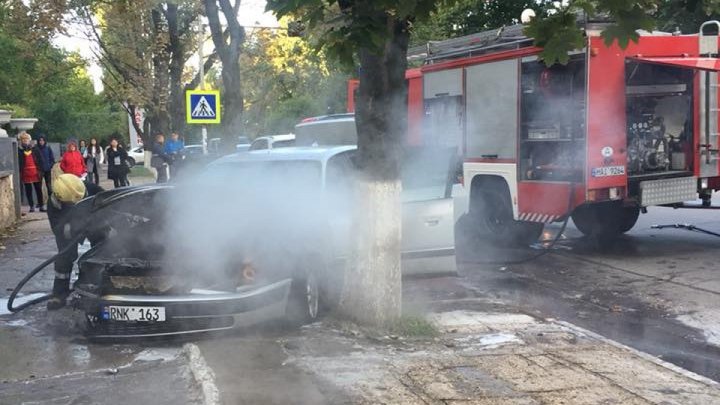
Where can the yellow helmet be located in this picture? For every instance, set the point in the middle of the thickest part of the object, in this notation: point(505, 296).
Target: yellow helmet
point(68, 188)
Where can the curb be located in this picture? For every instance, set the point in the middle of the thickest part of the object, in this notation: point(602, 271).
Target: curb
point(645, 356)
point(202, 374)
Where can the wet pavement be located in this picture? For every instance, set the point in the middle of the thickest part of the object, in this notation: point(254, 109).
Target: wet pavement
point(656, 291)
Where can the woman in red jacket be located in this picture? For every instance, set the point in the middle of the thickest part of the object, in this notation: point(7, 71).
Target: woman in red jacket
point(72, 161)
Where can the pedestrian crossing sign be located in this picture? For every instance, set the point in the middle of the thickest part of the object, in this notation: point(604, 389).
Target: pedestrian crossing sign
point(202, 106)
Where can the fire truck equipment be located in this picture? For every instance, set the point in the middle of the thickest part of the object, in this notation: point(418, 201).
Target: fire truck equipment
point(613, 130)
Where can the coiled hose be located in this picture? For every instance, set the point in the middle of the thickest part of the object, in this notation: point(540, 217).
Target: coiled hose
point(73, 244)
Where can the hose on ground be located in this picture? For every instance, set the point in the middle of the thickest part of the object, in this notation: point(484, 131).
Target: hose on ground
point(688, 227)
point(73, 244)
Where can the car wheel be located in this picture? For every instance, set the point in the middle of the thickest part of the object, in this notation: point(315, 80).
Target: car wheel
point(131, 162)
point(303, 304)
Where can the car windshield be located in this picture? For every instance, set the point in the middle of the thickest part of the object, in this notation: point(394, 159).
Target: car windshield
point(287, 174)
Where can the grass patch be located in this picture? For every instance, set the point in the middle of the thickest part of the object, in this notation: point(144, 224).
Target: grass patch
point(413, 326)
point(408, 326)
point(140, 171)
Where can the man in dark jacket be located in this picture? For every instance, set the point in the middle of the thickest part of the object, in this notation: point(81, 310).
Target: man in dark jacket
point(69, 219)
point(47, 160)
point(160, 159)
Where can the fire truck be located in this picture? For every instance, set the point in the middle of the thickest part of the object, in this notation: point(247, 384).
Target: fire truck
point(600, 139)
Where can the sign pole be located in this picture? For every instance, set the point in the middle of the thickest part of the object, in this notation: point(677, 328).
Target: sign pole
point(201, 58)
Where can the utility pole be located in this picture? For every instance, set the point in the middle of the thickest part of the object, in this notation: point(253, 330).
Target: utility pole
point(201, 61)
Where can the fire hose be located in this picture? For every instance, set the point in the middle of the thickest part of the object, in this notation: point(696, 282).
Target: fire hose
point(73, 244)
point(688, 227)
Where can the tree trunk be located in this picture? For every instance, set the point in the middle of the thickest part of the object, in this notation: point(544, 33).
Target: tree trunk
point(177, 63)
point(372, 291)
point(229, 54)
point(160, 60)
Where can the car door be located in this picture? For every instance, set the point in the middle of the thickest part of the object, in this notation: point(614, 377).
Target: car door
point(428, 245)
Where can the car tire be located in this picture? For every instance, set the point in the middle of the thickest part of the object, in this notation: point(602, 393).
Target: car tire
point(303, 305)
point(131, 162)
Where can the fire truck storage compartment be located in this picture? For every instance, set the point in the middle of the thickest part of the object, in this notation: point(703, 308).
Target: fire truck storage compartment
point(492, 106)
point(659, 116)
point(552, 120)
point(443, 121)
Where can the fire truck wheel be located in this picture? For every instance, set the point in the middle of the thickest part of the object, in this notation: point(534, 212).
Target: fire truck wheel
point(605, 221)
point(629, 218)
point(491, 213)
point(528, 233)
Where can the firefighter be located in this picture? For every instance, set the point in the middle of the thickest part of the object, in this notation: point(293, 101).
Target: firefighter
point(68, 221)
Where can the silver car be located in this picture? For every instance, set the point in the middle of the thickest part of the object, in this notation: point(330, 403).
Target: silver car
point(427, 199)
point(181, 259)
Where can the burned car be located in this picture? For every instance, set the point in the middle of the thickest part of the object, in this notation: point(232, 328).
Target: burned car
point(258, 235)
point(129, 285)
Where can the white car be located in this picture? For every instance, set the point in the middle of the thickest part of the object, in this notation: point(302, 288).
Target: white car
point(136, 156)
point(334, 129)
point(272, 142)
point(428, 219)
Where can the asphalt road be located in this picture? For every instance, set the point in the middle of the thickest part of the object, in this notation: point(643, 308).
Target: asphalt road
point(655, 290)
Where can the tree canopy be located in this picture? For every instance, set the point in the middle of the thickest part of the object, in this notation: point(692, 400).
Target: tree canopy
point(38, 79)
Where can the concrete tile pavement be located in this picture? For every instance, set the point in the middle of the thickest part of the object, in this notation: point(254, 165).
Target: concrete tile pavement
point(494, 358)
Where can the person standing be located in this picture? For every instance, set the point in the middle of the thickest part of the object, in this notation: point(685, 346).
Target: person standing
point(93, 157)
point(48, 160)
point(30, 171)
point(160, 159)
point(173, 149)
point(82, 147)
point(68, 221)
point(117, 164)
point(72, 161)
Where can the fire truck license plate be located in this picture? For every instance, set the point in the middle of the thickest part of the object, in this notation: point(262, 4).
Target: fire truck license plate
point(142, 314)
point(608, 171)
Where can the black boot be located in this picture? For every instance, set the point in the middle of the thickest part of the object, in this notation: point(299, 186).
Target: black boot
point(61, 290)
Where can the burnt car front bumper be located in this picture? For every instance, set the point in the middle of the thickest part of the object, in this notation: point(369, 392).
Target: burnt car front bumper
point(199, 311)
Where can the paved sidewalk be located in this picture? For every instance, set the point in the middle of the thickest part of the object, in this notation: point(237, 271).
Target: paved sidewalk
point(494, 358)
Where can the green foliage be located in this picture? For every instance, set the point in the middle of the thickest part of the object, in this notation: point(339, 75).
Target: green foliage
point(556, 29)
point(465, 17)
point(342, 27)
point(686, 15)
point(140, 171)
point(285, 81)
point(413, 326)
point(39, 80)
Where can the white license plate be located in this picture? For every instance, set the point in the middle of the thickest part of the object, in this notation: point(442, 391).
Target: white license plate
point(608, 171)
point(141, 314)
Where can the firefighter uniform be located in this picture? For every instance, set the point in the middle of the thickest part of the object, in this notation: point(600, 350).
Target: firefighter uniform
point(68, 221)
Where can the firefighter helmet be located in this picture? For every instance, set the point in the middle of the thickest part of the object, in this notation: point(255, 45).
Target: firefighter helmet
point(68, 188)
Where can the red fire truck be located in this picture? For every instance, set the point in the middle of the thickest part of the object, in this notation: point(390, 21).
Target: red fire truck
point(601, 138)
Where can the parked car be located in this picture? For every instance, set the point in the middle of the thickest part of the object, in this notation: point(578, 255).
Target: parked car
point(273, 141)
point(333, 129)
point(243, 144)
point(283, 251)
point(136, 156)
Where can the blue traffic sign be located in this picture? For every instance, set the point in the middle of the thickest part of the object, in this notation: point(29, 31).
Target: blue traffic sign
point(202, 106)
